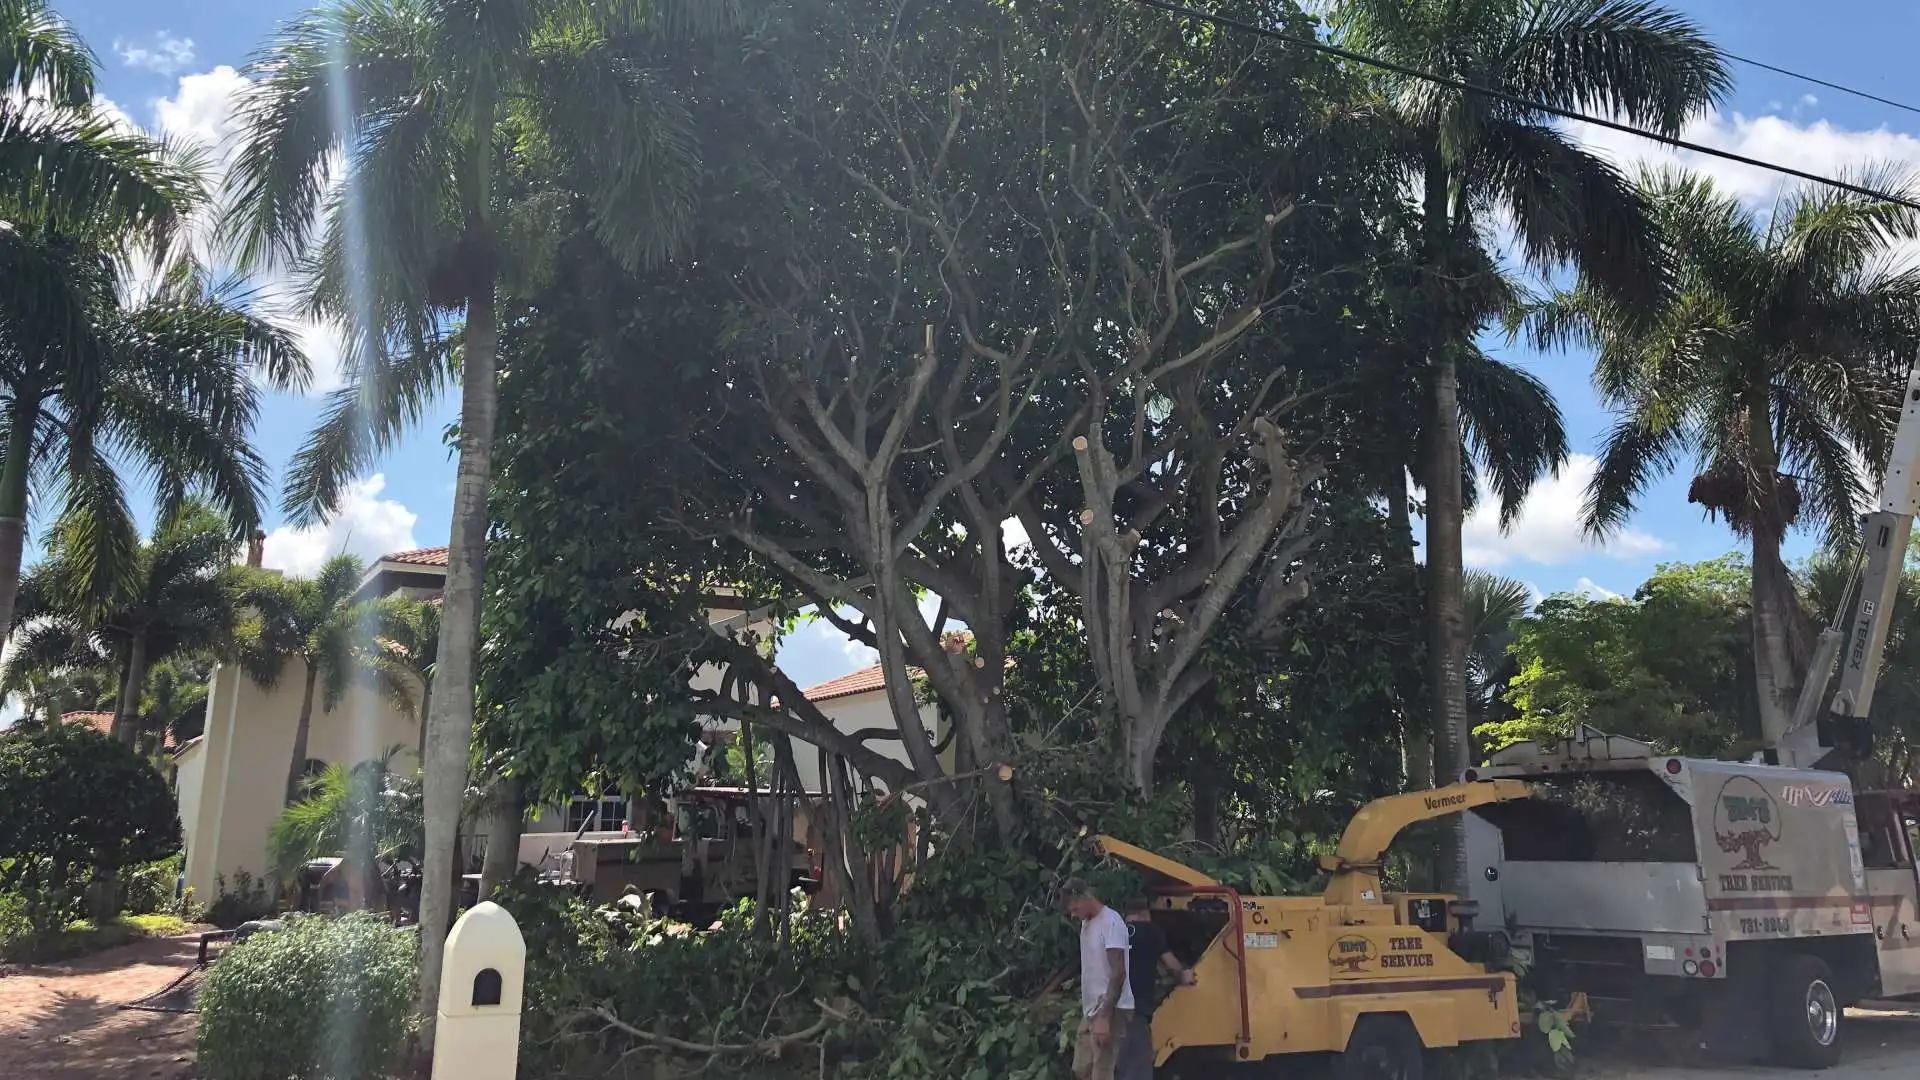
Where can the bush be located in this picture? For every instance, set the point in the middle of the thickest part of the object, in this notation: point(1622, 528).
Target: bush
point(323, 999)
point(73, 802)
point(152, 888)
point(246, 900)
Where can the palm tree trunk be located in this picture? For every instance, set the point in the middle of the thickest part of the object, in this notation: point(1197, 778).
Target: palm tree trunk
point(1775, 606)
point(133, 684)
point(1446, 596)
point(13, 502)
point(1416, 741)
point(450, 722)
point(297, 768)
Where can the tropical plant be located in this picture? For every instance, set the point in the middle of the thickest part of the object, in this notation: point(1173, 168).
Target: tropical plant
point(175, 598)
point(93, 382)
point(428, 221)
point(314, 622)
point(403, 655)
point(175, 703)
point(365, 810)
point(1477, 159)
point(1495, 607)
point(1777, 364)
point(63, 163)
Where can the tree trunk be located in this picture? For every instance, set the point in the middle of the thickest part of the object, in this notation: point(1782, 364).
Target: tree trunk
point(13, 502)
point(1775, 606)
point(506, 817)
point(297, 768)
point(450, 721)
point(126, 711)
point(1446, 590)
point(1416, 740)
point(426, 702)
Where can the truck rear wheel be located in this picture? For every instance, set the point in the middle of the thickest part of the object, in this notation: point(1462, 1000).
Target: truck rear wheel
point(1805, 1011)
point(1382, 1048)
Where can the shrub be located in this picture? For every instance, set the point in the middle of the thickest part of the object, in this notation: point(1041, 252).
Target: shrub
point(74, 802)
point(152, 888)
point(323, 999)
point(246, 900)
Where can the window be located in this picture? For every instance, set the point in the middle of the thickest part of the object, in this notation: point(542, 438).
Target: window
point(603, 814)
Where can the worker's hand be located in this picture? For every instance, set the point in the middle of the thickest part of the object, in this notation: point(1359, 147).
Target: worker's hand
point(1186, 977)
point(1100, 1029)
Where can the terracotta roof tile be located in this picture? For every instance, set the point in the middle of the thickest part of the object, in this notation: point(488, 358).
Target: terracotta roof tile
point(102, 722)
point(433, 556)
point(864, 681)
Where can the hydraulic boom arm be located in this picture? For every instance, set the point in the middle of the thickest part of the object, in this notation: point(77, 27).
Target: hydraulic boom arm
point(1882, 558)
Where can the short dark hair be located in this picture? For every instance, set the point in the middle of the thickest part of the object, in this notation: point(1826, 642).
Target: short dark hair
point(1074, 887)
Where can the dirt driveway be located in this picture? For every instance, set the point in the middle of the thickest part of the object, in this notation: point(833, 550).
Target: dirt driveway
point(1883, 1042)
point(63, 1021)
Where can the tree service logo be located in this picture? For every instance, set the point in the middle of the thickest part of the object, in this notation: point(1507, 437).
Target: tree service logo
point(1350, 955)
point(1746, 820)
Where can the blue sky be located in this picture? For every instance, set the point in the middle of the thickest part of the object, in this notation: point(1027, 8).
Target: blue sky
point(170, 66)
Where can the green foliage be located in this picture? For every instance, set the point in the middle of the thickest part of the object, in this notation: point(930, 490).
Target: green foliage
point(364, 812)
point(57, 823)
point(240, 901)
point(1667, 665)
point(150, 889)
point(21, 942)
point(322, 999)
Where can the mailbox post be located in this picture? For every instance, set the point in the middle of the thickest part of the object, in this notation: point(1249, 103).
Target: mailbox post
point(477, 1032)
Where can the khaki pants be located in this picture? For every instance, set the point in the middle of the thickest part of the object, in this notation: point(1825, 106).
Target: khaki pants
point(1093, 1060)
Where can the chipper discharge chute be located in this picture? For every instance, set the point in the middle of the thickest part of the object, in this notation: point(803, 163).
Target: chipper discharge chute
point(1371, 976)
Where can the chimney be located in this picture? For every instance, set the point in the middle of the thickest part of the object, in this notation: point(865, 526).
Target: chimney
point(257, 547)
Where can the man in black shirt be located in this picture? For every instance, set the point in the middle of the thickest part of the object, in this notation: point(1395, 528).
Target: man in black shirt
point(1147, 949)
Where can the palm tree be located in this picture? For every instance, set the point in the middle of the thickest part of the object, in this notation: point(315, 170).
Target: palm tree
point(315, 621)
point(62, 164)
point(92, 382)
point(174, 599)
point(1476, 159)
point(1495, 606)
point(1778, 364)
point(404, 654)
point(419, 101)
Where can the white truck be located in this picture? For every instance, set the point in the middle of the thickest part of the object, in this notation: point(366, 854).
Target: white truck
point(1753, 901)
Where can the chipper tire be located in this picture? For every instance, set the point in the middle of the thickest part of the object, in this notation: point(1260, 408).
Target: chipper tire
point(1382, 1048)
point(1806, 1013)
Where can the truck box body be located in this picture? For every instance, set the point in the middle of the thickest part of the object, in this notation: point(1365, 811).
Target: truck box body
point(1684, 856)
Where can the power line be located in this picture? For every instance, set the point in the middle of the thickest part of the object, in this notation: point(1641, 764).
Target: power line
point(1822, 82)
point(1538, 106)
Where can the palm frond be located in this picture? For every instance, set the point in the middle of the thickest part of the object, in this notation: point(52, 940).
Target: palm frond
point(1513, 426)
point(41, 53)
point(83, 174)
point(1634, 58)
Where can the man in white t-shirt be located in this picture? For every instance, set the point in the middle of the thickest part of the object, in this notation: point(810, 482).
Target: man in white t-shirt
point(1106, 998)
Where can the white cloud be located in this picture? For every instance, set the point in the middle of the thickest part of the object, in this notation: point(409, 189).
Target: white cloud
point(1819, 147)
point(366, 525)
point(1588, 588)
point(1549, 530)
point(165, 55)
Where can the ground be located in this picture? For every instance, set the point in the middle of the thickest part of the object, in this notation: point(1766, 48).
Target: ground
point(1883, 1042)
point(64, 1022)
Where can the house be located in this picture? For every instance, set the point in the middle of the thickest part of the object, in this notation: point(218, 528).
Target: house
point(231, 781)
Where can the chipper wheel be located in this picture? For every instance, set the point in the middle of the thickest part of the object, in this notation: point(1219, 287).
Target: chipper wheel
point(1382, 1048)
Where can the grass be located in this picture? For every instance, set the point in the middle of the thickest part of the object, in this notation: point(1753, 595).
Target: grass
point(83, 938)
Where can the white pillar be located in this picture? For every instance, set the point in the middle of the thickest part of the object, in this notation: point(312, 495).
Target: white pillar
point(477, 1033)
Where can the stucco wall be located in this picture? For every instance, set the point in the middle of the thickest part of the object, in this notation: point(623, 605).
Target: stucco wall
point(852, 713)
point(240, 785)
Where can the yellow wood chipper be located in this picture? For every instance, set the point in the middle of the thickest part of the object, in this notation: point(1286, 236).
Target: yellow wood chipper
point(1373, 977)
